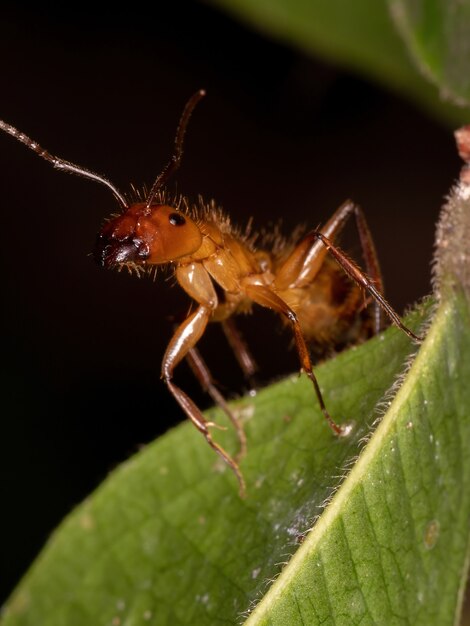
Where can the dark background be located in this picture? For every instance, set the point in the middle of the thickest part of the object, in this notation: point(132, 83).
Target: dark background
point(279, 136)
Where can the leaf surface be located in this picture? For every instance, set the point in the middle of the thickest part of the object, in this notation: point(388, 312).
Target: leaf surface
point(392, 546)
point(167, 540)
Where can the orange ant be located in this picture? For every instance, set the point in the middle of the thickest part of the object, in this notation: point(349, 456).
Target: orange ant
point(225, 273)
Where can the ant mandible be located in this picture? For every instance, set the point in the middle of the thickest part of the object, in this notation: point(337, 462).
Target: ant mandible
point(319, 296)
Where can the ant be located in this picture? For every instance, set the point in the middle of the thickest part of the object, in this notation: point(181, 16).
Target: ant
point(225, 272)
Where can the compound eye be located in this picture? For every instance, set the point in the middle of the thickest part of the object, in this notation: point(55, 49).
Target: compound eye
point(176, 219)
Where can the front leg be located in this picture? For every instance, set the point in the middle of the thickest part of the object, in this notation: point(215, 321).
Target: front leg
point(204, 376)
point(197, 283)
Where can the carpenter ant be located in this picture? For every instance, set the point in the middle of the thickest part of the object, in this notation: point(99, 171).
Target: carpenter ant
point(319, 296)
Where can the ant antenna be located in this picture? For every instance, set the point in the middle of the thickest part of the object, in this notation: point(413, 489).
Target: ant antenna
point(175, 161)
point(61, 164)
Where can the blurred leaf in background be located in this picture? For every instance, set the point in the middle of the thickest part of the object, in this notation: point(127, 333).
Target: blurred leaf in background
point(361, 36)
point(437, 34)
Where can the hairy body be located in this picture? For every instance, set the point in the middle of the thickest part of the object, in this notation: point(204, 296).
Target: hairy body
point(225, 272)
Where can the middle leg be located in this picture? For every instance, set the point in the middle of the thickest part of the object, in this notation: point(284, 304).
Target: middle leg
point(267, 298)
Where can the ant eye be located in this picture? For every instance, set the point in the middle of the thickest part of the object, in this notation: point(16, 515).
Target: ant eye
point(176, 219)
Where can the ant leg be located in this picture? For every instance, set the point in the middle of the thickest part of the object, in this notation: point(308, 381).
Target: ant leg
point(353, 271)
point(202, 373)
point(244, 357)
point(304, 263)
point(184, 339)
point(266, 297)
point(197, 283)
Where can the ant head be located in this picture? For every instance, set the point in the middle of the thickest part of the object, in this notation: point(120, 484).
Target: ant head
point(147, 232)
point(151, 233)
point(145, 235)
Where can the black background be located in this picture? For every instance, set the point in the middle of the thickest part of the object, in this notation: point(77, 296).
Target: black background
point(279, 135)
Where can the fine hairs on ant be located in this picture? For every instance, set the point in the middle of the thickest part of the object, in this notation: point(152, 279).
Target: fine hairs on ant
point(312, 284)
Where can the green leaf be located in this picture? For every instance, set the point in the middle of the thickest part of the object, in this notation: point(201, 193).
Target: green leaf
point(391, 548)
point(167, 540)
point(438, 35)
point(357, 35)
